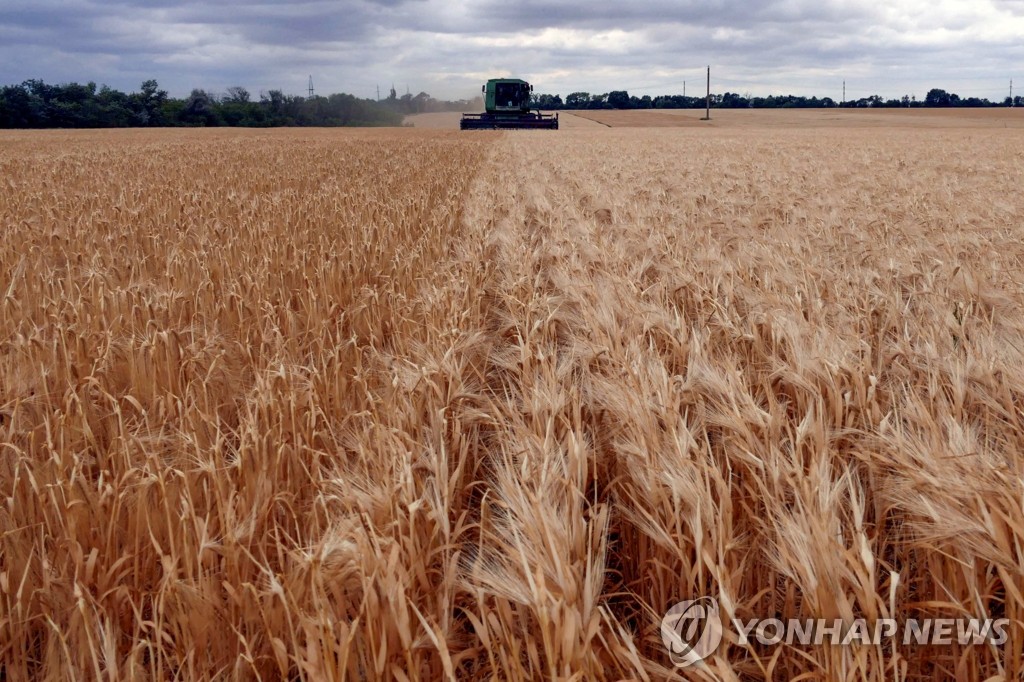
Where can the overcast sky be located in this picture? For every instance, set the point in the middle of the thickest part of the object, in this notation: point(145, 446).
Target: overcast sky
point(448, 48)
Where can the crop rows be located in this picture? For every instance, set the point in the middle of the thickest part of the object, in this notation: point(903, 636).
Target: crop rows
point(421, 405)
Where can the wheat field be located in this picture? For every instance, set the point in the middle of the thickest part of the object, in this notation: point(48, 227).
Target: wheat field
point(420, 404)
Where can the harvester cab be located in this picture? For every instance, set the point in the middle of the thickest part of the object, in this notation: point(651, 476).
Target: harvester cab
point(508, 95)
point(507, 107)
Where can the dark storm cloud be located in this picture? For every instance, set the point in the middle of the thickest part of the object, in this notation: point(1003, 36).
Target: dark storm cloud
point(446, 48)
point(35, 21)
point(70, 25)
point(289, 24)
point(533, 14)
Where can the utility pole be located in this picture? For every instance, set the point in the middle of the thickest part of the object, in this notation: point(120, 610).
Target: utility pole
point(684, 90)
point(707, 116)
point(844, 93)
point(311, 86)
point(378, 92)
point(1011, 92)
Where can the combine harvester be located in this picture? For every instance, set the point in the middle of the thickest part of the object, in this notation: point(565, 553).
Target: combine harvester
point(507, 104)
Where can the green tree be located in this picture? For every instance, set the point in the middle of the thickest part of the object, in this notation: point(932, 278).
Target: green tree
point(151, 100)
point(546, 101)
point(577, 100)
point(618, 99)
point(732, 100)
point(199, 110)
point(237, 94)
point(937, 97)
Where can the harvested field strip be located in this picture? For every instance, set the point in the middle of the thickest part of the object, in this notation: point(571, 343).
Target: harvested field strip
point(762, 120)
point(643, 118)
point(586, 118)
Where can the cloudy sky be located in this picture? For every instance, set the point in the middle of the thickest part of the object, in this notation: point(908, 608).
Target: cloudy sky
point(447, 48)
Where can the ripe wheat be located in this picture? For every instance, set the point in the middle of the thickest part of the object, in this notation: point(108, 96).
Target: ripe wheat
point(423, 405)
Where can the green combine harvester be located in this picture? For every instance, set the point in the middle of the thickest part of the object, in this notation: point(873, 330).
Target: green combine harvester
point(507, 101)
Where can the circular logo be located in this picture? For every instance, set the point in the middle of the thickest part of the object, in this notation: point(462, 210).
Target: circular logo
point(691, 631)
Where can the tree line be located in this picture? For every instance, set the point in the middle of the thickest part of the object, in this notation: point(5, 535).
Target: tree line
point(35, 104)
point(621, 99)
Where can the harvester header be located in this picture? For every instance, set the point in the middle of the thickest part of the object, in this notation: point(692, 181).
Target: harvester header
point(507, 105)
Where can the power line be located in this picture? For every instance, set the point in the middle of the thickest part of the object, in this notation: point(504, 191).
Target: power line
point(690, 77)
point(983, 87)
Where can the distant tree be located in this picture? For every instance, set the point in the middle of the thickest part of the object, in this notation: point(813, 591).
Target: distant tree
point(546, 102)
point(35, 104)
point(199, 110)
point(112, 108)
point(151, 100)
point(937, 97)
point(17, 108)
point(237, 94)
point(732, 100)
point(275, 101)
point(150, 90)
point(618, 99)
point(577, 100)
point(70, 105)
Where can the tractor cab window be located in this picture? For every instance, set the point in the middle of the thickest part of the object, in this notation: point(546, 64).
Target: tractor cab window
point(509, 94)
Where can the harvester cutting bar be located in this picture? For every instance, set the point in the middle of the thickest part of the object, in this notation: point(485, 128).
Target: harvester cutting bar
point(536, 121)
